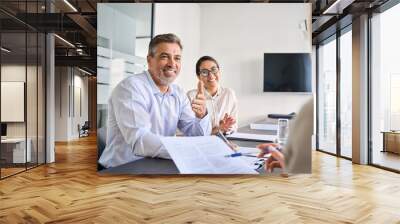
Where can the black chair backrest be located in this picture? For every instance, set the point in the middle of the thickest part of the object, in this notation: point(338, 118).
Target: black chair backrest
point(86, 125)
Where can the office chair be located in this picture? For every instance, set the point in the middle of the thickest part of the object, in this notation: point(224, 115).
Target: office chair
point(84, 130)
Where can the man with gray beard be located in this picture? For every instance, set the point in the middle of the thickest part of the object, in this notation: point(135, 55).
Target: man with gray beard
point(144, 107)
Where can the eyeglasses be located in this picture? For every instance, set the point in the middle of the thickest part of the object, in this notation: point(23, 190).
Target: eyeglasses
point(206, 72)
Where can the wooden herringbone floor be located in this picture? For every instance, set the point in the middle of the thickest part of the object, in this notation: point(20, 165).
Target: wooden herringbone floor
point(70, 191)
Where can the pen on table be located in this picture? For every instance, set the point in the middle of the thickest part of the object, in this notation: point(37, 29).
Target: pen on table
point(236, 154)
point(239, 154)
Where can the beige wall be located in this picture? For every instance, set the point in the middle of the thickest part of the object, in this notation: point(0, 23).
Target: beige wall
point(71, 87)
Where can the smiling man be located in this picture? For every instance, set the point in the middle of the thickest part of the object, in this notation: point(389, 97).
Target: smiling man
point(146, 106)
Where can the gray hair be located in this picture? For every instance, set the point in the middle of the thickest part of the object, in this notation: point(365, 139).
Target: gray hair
point(163, 38)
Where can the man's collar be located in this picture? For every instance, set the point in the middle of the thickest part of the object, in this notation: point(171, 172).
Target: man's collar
point(154, 87)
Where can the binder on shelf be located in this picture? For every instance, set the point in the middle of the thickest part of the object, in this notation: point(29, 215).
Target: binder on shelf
point(282, 116)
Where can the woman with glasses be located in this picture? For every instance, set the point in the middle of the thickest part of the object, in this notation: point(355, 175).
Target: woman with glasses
point(221, 102)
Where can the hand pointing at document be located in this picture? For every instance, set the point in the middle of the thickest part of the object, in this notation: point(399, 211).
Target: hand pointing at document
point(199, 103)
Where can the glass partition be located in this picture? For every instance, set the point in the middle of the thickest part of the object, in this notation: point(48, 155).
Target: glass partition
point(14, 154)
point(31, 98)
point(22, 88)
point(41, 96)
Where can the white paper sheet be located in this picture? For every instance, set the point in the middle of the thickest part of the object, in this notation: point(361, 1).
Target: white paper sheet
point(255, 137)
point(266, 127)
point(204, 155)
point(252, 150)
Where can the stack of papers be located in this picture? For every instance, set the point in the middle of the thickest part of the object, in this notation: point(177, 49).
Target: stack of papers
point(264, 127)
point(254, 137)
point(205, 155)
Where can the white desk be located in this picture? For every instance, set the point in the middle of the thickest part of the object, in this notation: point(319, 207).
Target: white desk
point(17, 145)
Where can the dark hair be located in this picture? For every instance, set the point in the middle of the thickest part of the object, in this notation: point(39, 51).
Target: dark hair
point(203, 59)
point(163, 38)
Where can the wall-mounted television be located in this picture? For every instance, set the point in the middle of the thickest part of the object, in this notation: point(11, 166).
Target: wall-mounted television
point(287, 72)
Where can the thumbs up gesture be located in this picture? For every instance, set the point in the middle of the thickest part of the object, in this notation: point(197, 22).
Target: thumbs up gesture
point(199, 103)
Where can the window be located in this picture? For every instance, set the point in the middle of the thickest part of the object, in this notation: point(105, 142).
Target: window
point(327, 96)
point(346, 93)
point(385, 88)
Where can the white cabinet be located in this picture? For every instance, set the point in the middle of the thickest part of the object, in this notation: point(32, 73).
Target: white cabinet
point(16, 149)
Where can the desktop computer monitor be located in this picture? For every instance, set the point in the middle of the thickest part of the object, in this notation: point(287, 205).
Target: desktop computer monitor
point(3, 129)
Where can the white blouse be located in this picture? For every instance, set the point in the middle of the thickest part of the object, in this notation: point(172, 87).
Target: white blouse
point(224, 101)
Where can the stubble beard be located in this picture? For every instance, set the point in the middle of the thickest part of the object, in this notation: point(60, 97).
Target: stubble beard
point(167, 80)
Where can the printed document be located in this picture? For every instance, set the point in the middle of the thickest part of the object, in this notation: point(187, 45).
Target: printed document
point(205, 155)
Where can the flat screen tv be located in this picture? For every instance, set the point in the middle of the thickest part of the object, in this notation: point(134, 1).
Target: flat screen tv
point(287, 72)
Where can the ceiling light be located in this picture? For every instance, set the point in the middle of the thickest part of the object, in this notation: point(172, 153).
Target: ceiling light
point(86, 72)
point(65, 41)
point(5, 50)
point(329, 9)
point(79, 51)
point(338, 6)
point(70, 5)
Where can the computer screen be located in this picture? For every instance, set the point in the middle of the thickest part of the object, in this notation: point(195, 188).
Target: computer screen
point(287, 72)
point(3, 129)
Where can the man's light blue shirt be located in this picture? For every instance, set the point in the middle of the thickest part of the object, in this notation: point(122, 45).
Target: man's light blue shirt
point(139, 114)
